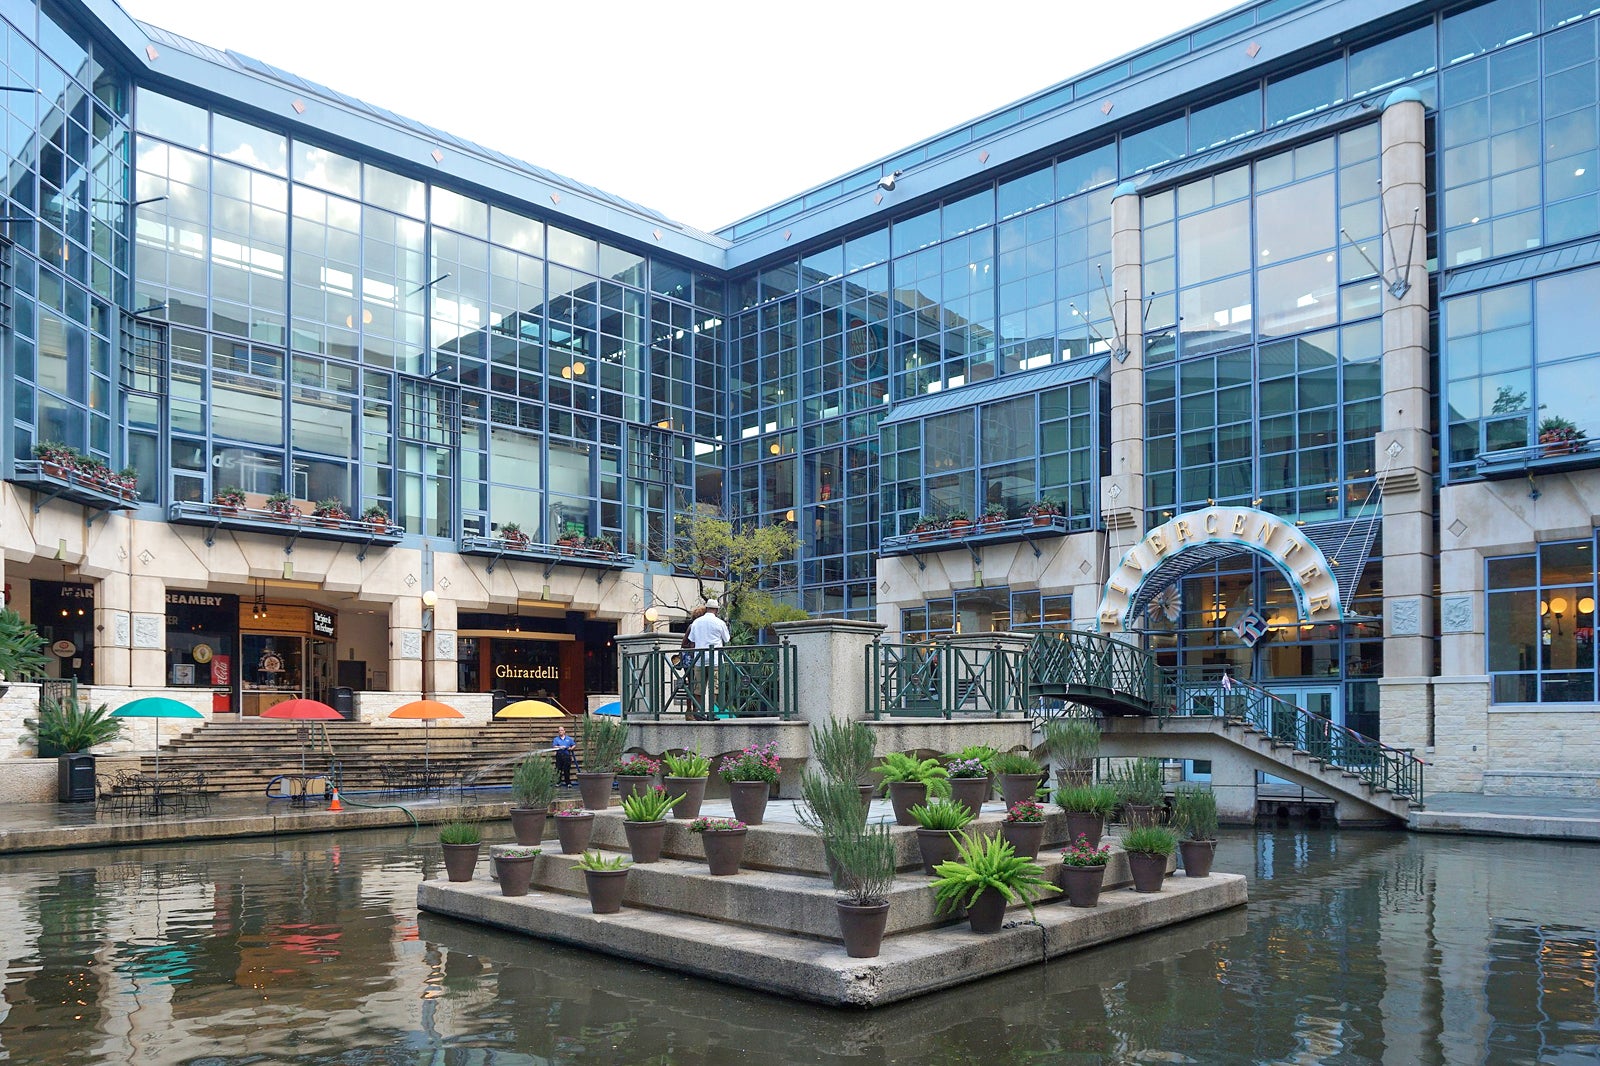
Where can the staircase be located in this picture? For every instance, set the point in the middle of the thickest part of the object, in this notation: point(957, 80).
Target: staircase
point(242, 757)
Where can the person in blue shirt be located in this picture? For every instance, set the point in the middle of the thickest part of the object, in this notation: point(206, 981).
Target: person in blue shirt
point(564, 745)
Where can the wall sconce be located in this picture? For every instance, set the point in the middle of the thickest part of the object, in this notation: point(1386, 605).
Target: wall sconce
point(430, 599)
point(651, 616)
point(1586, 606)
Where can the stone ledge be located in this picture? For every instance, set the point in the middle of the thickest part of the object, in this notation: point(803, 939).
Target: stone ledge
point(819, 971)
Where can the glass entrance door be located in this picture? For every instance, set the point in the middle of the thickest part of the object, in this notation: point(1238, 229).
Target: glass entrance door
point(1306, 734)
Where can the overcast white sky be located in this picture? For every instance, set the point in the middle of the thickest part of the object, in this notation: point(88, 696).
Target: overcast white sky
point(704, 110)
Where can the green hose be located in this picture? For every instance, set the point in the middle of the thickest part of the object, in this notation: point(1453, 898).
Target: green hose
point(345, 798)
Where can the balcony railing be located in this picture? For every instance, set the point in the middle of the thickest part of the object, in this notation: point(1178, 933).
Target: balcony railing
point(941, 680)
point(1539, 459)
point(734, 681)
point(292, 524)
point(551, 555)
point(975, 535)
point(1099, 671)
point(55, 481)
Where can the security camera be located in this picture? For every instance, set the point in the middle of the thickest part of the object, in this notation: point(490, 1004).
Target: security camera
point(886, 183)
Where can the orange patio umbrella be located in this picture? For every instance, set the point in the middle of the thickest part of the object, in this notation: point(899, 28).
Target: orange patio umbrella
point(426, 711)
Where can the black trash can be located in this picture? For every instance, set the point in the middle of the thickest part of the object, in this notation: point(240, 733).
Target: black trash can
point(499, 700)
point(75, 778)
point(344, 701)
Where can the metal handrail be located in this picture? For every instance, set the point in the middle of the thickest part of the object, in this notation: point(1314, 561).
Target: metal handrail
point(1065, 663)
point(1396, 770)
point(941, 678)
point(733, 681)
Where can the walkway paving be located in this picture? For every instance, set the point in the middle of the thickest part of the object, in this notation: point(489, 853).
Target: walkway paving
point(28, 827)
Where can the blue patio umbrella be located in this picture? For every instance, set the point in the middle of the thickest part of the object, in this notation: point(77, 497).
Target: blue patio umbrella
point(614, 707)
point(157, 707)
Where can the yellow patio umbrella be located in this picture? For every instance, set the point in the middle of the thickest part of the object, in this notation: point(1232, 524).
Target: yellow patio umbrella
point(530, 709)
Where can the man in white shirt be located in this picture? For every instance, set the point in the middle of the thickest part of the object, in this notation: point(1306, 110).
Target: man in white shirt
point(707, 633)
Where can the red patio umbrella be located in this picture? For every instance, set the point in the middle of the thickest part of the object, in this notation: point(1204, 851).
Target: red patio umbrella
point(302, 711)
point(426, 711)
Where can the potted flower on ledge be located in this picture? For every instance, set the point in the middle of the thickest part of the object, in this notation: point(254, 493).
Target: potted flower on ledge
point(512, 534)
point(601, 545)
point(1043, 511)
point(127, 482)
point(928, 526)
point(1560, 436)
point(330, 512)
point(993, 515)
point(956, 522)
point(228, 500)
point(57, 459)
point(281, 505)
point(376, 517)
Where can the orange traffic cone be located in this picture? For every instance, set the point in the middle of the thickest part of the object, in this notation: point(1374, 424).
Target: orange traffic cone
point(335, 805)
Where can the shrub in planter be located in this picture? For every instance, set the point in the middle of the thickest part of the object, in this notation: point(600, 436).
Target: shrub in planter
point(67, 726)
point(228, 498)
point(513, 867)
point(687, 774)
point(937, 824)
point(282, 505)
point(969, 782)
point(644, 821)
point(864, 859)
point(460, 841)
point(830, 809)
point(636, 773)
point(846, 751)
point(750, 774)
point(1149, 847)
point(600, 741)
point(1072, 744)
point(533, 786)
point(330, 511)
point(1194, 814)
point(1087, 808)
point(512, 534)
point(1141, 789)
point(573, 828)
point(1023, 828)
point(1083, 871)
point(605, 879)
point(1019, 775)
point(22, 656)
point(376, 516)
point(986, 875)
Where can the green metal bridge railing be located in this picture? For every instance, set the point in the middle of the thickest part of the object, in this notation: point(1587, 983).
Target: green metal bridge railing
point(1098, 671)
point(1396, 770)
point(734, 681)
point(942, 679)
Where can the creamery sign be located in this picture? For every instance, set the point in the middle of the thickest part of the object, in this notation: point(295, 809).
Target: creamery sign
point(1316, 590)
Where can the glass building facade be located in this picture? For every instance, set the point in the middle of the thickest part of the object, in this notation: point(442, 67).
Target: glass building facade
point(203, 284)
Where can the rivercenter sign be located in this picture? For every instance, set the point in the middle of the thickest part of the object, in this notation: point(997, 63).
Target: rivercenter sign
point(1316, 589)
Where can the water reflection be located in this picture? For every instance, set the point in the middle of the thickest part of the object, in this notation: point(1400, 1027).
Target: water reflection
point(1356, 947)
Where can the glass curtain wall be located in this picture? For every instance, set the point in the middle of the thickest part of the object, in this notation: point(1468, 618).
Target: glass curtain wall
point(1541, 612)
point(68, 195)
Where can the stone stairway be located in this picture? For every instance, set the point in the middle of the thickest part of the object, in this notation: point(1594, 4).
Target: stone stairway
point(774, 926)
point(242, 757)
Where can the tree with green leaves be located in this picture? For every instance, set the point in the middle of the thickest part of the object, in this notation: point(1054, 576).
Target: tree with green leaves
point(22, 655)
point(736, 563)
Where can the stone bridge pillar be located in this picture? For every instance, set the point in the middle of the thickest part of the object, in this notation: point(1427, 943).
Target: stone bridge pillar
point(830, 667)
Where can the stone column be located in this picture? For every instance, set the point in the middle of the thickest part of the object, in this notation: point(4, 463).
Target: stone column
point(1122, 502)
point(830, 667)
point(1403, 447)
point(446, 677)
point(405, 645)
point(113, 630)
point(147, 602)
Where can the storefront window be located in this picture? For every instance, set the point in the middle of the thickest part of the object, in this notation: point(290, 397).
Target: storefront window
point(1541, 612)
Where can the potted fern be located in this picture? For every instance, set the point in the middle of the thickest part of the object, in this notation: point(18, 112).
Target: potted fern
point(605, 880)
point(533, 786)
point(687, 774)
point(460, 841)
point(644, 820)
point(985, 877)
point(937, 825)
point(865, 859)
point(910, 781)
point(1194, 812)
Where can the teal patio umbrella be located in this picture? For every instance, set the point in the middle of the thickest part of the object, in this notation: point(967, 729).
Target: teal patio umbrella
point(157, 707)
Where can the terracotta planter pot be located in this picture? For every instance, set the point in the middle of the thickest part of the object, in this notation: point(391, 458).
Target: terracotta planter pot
point(749, 800)
point(630, 784)
point(1197, 857)
point(528, 824)
point(986, 912)
point(1082, 824)
point(460, 861)
point(724, 848)
point(515, 875)
point(645, 840)
point(595, 790)
point(693, 791)
point(605, 889)
point(1018, 787)
point(970, 792)
point(866, 801)
point(573, 831)
point(938, 845)
point(1082, 884)
point(905, 795)
point(1148, 871)
point(862, 928)
point(1025, 837)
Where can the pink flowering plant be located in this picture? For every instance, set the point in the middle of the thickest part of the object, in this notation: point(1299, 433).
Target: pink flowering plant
point(1082, 854)
point(638, 766)
point(573, 812)
point(966, 768)
point(757, 762)
point(715, 825)
point(1025, 811)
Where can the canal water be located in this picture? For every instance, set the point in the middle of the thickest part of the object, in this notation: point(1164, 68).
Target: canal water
point(1357, 947)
